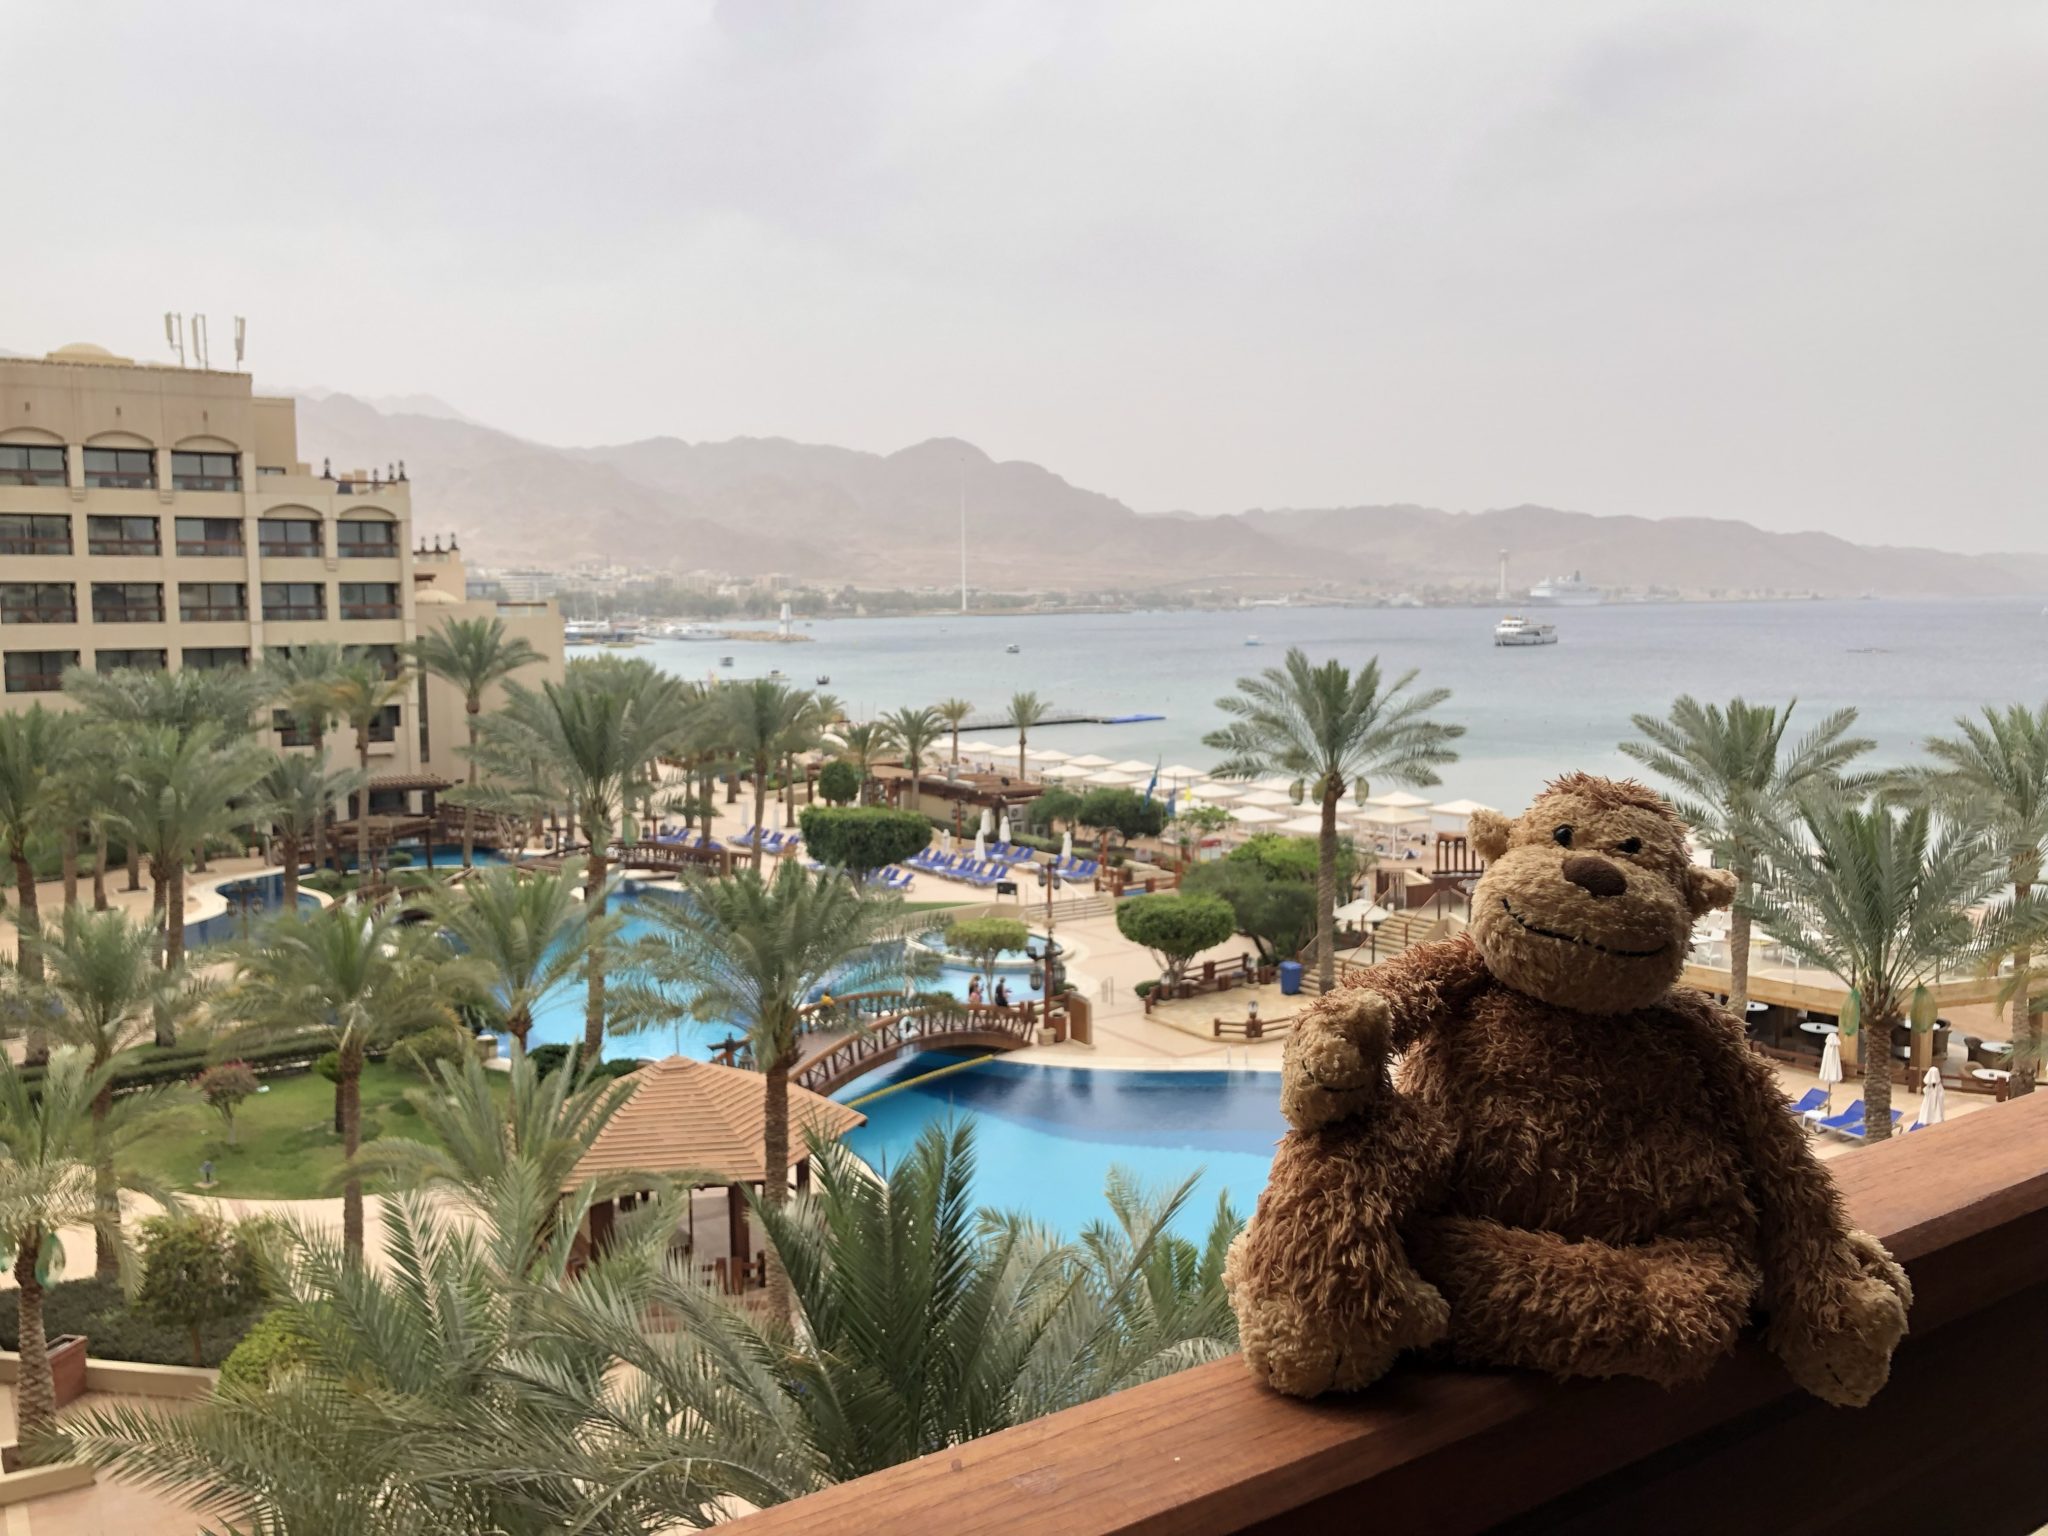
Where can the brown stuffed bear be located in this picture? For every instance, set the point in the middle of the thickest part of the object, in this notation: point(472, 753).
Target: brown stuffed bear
point(1585, 1170)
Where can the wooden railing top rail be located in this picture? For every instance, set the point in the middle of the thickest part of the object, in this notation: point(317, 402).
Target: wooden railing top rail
point(1963, 1204)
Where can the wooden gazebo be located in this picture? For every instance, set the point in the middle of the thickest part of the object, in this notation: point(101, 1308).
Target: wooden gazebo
point(705, 1122)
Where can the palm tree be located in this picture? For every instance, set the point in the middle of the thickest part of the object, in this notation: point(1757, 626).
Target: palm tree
point(1333, 730)
point(1730, 769)
point(474, 655)
point(761, 718)
point(529, 932)
point(297, 791)
point(303, 678)
point(360, 693)
point(864, 745)
point(1882, 899)
point(360, 978)
point(49, 1141)
point(1026, 710)
point(221, 697)
point(1995, 770)
point(752, 953)
point(33, 749)
point(101, 991)
point(954, 712)
point(916, 728)
point(174, 795)
point(596, 735)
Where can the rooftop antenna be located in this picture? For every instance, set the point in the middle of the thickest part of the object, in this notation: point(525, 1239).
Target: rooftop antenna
point(241, 341)
point(174, 333)
point(1503, 575)
point(199, 340)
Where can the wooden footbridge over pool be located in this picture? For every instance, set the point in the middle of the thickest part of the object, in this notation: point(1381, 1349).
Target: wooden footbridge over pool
point(852, 1036)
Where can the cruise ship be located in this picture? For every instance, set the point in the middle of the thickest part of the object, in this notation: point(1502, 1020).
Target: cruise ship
point(1516, 630)
point(1566, 592)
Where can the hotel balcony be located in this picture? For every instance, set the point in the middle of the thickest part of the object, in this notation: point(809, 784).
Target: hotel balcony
point(1963, 1205)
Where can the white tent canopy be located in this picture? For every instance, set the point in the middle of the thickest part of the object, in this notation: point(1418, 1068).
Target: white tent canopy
point(1132, 765)
point(1219, 790)
point(1265, 797)
point(1064, 771)
point(1459, 807)
point(1109, 778)
point(1255, 816)
point(1399, 799)
point(1181, 773)
point(1303, 826)
point(1048, 755)
point(1089, 760)
point(1362, 911)
point(1278, 785)
point(1389, 816)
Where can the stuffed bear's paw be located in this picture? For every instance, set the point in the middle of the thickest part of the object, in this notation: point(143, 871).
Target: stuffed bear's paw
point(1845, 1357)
point(1334, 1064)
point(1304, 1352)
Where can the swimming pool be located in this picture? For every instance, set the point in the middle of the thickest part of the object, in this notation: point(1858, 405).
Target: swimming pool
point(559, 1018)
point(1046, 1137)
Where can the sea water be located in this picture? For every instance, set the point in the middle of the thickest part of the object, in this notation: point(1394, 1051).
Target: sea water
point(1529, 713)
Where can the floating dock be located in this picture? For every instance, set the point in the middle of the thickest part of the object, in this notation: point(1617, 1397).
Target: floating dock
point(1054, 716)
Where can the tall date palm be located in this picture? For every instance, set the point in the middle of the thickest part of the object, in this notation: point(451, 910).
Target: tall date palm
point(1333, 729)
point(475, 655)
point(1026, 710)
point(1729, 769)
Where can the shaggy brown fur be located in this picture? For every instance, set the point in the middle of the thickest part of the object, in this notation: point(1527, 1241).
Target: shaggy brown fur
point(1585, 1169)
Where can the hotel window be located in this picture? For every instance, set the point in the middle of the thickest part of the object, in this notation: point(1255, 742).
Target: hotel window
point(29, 533)
point(294, 600)
point(28, 464)
point(369, 600)
point(213, 658)
point(385, 726)
point(201, 601)
point(127, 661)
point(385, 656)
point(127, 602)
point(360, 538)
point(289, 732)
point(38, 671)
point(121, 469)
point(206, 471)
point(122, 536)
point(288, 536)
point(210, 536)
point(38, 602)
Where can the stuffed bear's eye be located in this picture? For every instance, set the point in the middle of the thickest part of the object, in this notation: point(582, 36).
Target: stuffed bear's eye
point(1629, 845)
point(1563, 836)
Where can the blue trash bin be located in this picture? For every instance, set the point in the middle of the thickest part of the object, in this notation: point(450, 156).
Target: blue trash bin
point(1290, 978)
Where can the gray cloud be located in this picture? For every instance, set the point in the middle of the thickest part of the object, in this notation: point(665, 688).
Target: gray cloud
point(1744, 259)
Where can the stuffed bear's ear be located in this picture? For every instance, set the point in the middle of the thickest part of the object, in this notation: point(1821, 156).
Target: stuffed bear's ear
point(1707, 890)
point(1489, 833)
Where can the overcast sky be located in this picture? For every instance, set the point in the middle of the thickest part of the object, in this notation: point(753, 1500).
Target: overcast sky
point(1780, 261)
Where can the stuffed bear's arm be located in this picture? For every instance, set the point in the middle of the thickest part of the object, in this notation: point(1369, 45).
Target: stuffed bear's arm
point(1335, 1065)
point(1836, 1300)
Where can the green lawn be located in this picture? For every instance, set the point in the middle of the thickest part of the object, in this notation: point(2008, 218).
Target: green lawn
point(286, 1146)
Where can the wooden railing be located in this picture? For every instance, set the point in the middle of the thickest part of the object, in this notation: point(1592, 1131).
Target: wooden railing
point(1947, 1446)
point(1000, 1029)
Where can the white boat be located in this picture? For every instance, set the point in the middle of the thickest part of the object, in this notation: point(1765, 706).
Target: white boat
point(1516, 630)
point(694, 632)
point(1251, 639)
point(1011, 649)
point(1571, 591)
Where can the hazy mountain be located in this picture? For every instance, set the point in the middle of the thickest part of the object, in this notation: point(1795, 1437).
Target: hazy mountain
point(753, 505)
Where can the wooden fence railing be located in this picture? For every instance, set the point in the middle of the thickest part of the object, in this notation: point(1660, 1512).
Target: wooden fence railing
point(1964, 1205)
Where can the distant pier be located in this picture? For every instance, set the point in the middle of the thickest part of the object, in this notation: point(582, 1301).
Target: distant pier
point(1057, 715)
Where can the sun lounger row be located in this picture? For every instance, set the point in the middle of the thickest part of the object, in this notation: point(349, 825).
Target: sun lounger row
point(1849, 1122)
point(687, 839)
point(1073, 870)
point(769, 842)
point(964, 866)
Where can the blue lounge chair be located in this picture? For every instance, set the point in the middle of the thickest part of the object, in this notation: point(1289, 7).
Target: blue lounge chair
point(1850, 1122)
point(1808, 1102)
point(748, 838)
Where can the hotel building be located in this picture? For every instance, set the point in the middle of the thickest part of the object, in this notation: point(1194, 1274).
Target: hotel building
point(156, 516)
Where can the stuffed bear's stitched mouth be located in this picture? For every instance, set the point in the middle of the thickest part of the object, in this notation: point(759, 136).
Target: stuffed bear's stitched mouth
point(1572, 938)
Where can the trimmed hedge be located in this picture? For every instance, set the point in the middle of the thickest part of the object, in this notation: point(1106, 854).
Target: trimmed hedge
point(150, 1065)
point(97, 1309)
point(273, 1345)
point(862, 838)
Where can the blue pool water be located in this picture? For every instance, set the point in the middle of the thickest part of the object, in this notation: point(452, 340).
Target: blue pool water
point(559, 1018)
point(1046, 1137)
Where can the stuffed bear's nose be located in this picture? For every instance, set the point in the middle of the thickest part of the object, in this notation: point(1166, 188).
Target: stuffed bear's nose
point(1596, 877)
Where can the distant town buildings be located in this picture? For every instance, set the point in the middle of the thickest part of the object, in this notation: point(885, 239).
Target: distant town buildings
point(155, 516)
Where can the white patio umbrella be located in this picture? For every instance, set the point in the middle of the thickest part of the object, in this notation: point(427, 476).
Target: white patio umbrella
point(1270, 799)
point(1390, 816)
point(1111, 779)
point(1067, 846)
point(1132, 765)
point(1303, 826)
point(1090, 760)
point(1933, 1098)
point(1003, 829)
point(1831, 1066)
point(988, 822)
point(1048, 755)
point(1255, 816)
point(1398, 799)
point(1274, 784)
point(1221, 790)
point(1181, 773)
point(981, 845)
